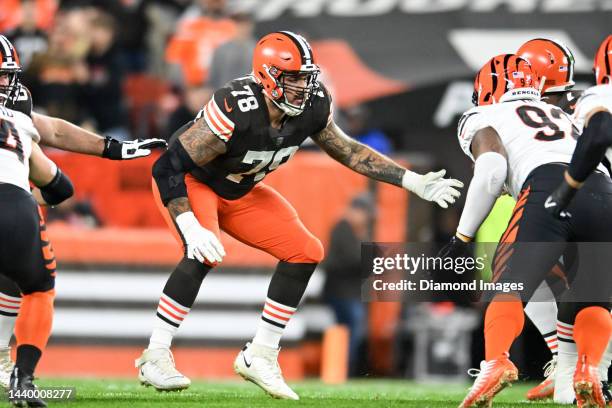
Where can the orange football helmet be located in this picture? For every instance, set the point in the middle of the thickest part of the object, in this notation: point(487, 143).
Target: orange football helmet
point(503, 78)
point(602, 66)
point(552, 61)
point(10, 66)
point(279, 55)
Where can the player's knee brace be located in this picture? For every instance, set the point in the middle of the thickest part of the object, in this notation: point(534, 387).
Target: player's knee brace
point(289, 282)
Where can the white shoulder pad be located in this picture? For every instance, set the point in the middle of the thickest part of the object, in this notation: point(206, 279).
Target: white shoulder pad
point(470, 123)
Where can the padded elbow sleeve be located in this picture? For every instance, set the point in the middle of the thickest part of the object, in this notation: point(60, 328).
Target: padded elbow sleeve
point(490, 171)
point(169, 172)
point(58, 190)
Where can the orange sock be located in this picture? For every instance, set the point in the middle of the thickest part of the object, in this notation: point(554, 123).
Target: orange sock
point(33, 325)
point(504, 321)
point(592, 331)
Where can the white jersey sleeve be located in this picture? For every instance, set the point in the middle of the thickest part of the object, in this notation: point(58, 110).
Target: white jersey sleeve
point(17, 133)
point(596, 98)
point(471, 122)
point(533, 133)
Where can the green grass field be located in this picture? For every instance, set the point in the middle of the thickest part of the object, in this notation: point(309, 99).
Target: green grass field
point(362, 393)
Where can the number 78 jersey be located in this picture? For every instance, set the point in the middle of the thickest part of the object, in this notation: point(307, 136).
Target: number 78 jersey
point(238, 115)
point(532, 132)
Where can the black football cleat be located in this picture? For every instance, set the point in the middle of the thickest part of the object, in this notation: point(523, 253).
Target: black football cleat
point(22, 392)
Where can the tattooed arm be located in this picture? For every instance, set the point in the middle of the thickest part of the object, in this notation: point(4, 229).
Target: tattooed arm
point(370, 163)
point(357, 156)
point(195, 147)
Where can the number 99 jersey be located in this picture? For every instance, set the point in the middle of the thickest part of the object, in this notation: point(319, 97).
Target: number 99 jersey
point(16, 135)
point(238, 115)
point(532, 132)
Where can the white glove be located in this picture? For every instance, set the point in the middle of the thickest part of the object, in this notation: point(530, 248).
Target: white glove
point(432, 187)
point(201, 243)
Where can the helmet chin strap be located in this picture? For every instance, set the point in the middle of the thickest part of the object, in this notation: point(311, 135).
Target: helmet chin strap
point(542, 82)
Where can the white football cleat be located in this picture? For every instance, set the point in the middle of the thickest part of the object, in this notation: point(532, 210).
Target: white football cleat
point(6, 367)
point(259, 365)
point(564, 378)
point(156, 367)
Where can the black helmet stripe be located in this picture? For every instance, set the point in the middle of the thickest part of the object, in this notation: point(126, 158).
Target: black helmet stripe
point(302, 45)
point(493, 76)
point(7, 50)
point(506, 60)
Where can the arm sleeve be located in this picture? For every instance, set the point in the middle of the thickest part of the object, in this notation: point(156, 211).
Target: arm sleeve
point(169, 172)
point(490, 171)
point(58, 190)
point(591, 147)
point(470, 123)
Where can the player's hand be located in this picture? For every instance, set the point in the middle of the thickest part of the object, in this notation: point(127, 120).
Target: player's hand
point(116, 150)
point(201, 243)
point(433, 187)
point(456, 248)
point(559, 200)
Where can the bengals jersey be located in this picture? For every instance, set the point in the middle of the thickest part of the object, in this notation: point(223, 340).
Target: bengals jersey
point(17, 133)
point(533, 133)
point(238, 115)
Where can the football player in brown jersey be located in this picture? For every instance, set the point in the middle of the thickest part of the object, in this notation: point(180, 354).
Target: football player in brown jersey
point(210, 179)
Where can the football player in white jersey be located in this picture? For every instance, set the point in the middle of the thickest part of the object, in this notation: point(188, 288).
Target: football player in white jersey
point(516, 140)
point(26, 257)
point(60, 134)
point(593, 115)
point(553, 62)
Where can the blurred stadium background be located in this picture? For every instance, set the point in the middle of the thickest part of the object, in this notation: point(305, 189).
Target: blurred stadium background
point(400, 71)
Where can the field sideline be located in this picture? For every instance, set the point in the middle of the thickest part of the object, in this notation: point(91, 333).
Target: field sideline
point(361, 393)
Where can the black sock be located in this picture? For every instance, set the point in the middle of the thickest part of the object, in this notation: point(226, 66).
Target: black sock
point(27, 358)
point(289, 282)
point(184, 283)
